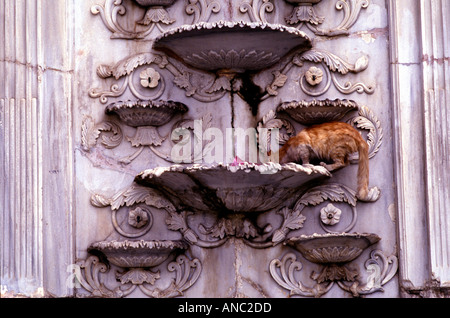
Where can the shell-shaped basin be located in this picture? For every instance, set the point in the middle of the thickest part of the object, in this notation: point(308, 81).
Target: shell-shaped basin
point(243, 188)
point(231, 46)
point(132, 254)
point(146, 112)
point(332, 248)
point(317, 111)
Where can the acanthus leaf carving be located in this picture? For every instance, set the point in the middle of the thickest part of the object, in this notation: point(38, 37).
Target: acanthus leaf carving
point(282, 271)
point(89, 275)
point(133, 195)
point(257, 9)
point(138, 276)
point(177, 222)
point(201, 9)
point(182, 79)
point(292, 220)
point(305, 14)
point(334, 192)
point(332, 64)
point(155, 16)
point(271, 122)
point(278, 81)
point(90, 132)
point(368, 121)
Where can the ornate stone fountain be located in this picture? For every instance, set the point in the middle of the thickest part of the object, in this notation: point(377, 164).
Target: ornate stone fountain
point(211, 60)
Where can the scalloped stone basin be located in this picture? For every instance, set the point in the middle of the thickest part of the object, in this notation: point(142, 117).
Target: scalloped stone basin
point(146, 113)
point(332, 248)
point(131, 254)
point(317, 111)
point(231, 46)
point(241, 188)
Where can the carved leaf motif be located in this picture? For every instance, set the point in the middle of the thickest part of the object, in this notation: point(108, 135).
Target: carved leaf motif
point(112, 140)
point(279, 81)
point(334, 62)
point(270, 121)
point(138, 194)
point(91, 132)
point(201, 9)
point(257, 11)
point(333, 192)
point(177, 222)
point(233, 226)
point(138, 276)
point(221, 83)
point(293, 220)
point(183, 81)
point(367, 120)
point(100, 201)
point(128, 65)
point(88, 134)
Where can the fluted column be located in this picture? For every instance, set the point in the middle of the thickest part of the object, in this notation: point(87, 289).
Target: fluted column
point(35, 137)
point(435, 24)
point(419, 35)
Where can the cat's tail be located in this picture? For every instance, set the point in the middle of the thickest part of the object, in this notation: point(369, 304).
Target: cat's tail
point(363, 171)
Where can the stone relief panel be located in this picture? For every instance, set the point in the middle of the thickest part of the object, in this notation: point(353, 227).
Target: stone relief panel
point(184, 106)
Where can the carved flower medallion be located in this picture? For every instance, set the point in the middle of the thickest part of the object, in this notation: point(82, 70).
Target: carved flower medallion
point(149, 78)
point(330, 215)
point(314, 76)
point(138, 218)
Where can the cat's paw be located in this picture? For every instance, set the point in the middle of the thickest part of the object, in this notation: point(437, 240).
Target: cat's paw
point(372, 196)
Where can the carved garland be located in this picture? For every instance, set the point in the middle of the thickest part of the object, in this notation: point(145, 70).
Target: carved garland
point(304, 14)
point(313, 84)
point(156, 16)
point(126, 68)
point(91, 132)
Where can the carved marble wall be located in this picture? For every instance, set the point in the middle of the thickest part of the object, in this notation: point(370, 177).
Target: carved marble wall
point(139, 131)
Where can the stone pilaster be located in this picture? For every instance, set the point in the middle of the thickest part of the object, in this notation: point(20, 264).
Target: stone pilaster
point(36, 189)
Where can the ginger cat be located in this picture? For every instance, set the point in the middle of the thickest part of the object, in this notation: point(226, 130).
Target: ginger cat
point(332, 142)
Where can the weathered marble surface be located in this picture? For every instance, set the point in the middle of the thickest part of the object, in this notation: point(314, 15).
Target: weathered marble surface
point(68, 165)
